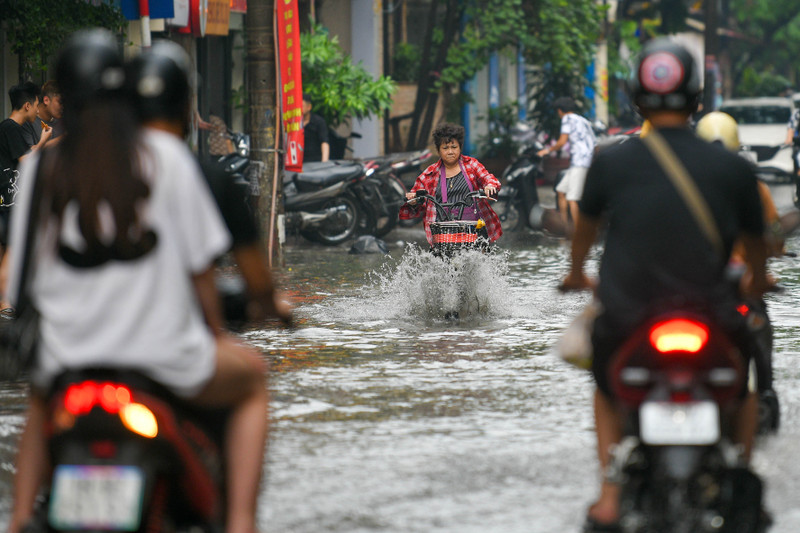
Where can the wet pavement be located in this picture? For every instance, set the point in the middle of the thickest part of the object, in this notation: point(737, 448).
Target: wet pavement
point(388, 417)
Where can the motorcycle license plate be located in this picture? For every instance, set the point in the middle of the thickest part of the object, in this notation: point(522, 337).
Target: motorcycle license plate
point(96, 497)
point(666, 423)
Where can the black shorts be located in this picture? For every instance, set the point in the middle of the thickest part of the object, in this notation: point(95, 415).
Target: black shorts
point(5, 217)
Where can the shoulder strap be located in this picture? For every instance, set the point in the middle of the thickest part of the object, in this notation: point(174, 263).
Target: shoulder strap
point(687, 188)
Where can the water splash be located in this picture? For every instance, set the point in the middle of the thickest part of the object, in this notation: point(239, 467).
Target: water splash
point(468, 285)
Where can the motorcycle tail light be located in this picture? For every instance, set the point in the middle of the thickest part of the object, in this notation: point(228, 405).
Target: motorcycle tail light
point(679, 335)
point(139, 419)
point(81, 398)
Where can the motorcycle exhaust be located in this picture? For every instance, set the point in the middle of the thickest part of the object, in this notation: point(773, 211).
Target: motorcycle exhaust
point(303, 220)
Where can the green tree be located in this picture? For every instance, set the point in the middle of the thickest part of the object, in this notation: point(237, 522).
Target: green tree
point(461, 35)
point(340, 88)
point(766, 50)
point(36, 29)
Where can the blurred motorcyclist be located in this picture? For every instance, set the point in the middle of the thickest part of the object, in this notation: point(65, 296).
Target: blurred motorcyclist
point(719, 127)
point(655, 251)
point(159, 85)
point(124, 273)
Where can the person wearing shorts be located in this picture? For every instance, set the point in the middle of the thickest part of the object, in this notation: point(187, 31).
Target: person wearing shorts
point(578, 132)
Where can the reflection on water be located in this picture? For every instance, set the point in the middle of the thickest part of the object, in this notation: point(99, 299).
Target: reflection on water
point(389, 417)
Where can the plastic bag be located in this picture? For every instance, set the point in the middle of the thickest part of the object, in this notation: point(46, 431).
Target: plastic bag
point(575, 345)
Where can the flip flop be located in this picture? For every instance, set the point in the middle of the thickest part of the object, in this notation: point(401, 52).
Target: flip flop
point(593, 526)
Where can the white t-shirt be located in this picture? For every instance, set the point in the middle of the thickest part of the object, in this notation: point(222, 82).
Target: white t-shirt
point(141, 314)
point(581, 139)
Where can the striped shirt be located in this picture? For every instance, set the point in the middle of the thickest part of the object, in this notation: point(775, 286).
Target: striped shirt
point(457, 191)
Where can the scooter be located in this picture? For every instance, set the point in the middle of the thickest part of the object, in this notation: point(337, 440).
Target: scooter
point(389, 191)
point(236, 164)
point(678, 378)
point(127, 455)
point(406, 166)
point(327, 202)
point(518, 201)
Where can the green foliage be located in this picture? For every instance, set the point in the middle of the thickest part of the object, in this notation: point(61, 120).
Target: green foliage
point(756, 83)
point(772, 31)
point(491, 25)
point(561, 37)
point(36, 29)
point(623, 35)
point(339, 88)
point(498, 142)
point(406, 62)
point(560, 34)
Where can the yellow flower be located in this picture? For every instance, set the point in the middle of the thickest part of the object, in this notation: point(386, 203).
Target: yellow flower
point(480, 223)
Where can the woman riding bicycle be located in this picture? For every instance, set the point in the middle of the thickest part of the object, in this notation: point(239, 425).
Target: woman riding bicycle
point(451, 180)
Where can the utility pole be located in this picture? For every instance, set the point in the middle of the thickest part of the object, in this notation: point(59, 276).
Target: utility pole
point(263, 117)
point(711, 54)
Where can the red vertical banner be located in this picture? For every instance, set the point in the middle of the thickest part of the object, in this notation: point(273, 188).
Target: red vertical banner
point(291, 81)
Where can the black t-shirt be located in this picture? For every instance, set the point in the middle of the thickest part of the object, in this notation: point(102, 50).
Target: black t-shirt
point(33, 130)
point(12, 144)
point(314, 134)
point(232, 201)
point(654, 248)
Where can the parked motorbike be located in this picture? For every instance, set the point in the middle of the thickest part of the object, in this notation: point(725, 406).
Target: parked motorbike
point(328, 202)
point(406, 166)
point(678, 378)
point(394, 175)
point(518, 200)
point(389, 192)
point(236, 163)
point(127, 455)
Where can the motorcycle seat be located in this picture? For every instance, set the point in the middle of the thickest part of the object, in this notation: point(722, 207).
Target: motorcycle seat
point(319, 175)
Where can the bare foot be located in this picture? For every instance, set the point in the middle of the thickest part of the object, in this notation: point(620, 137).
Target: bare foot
point(606, 509)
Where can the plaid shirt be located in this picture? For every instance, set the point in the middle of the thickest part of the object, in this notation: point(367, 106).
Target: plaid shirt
point(478, 177)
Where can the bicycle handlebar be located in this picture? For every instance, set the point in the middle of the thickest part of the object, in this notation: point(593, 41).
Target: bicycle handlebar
point(442, 208)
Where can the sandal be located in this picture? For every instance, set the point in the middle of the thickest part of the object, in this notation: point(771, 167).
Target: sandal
point(593, 526)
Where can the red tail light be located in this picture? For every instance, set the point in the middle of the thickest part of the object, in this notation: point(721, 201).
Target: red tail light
point(80, 398)
point(679, 335)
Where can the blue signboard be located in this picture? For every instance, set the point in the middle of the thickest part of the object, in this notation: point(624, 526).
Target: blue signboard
point(159, 9)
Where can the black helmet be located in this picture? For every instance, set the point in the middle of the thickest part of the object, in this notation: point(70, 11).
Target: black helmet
point(666, 78)
point(88, 67)
point(158, 82)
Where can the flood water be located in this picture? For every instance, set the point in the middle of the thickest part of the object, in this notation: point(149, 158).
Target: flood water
point(389, 417)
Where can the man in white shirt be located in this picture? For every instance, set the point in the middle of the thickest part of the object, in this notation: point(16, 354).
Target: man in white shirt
point(578, 132)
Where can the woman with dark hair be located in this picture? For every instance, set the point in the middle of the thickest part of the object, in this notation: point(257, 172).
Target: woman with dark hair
point(453, 177)
point(126, 237)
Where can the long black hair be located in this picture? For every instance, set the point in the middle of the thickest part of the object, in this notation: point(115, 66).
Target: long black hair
point(97, 164)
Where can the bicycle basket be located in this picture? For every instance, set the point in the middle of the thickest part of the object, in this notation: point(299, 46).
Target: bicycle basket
point(454, 235)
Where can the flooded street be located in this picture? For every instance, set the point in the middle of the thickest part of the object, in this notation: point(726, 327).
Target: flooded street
point(388, 417)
